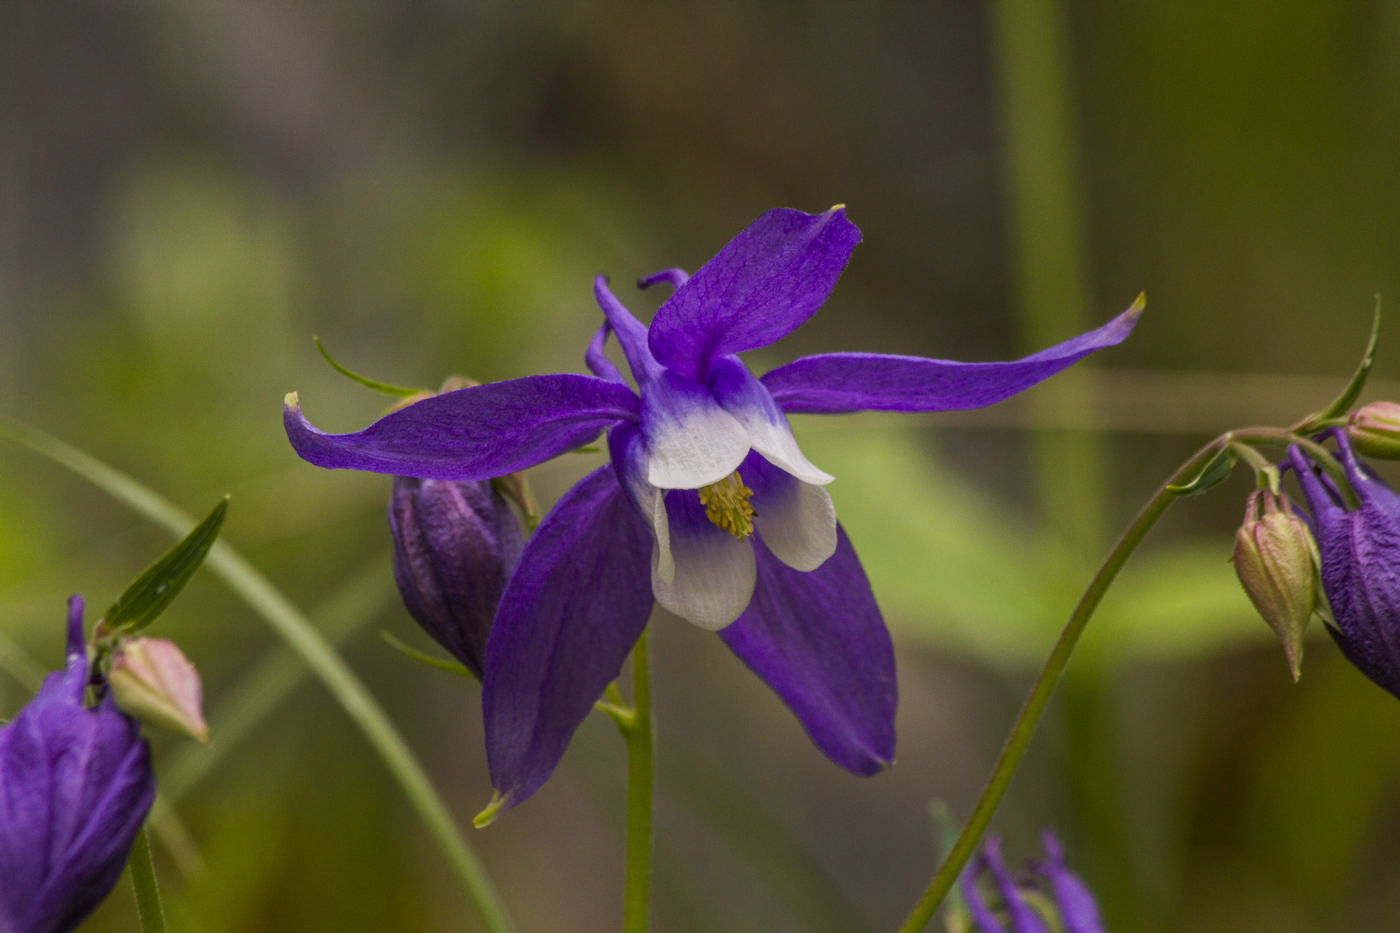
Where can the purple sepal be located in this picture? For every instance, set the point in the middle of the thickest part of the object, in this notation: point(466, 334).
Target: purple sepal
point(576, 604)
point(75, 787)
point(473, 433)
point(843, 382)
point(762, 286)
point(1360, 551)
point(817, 639)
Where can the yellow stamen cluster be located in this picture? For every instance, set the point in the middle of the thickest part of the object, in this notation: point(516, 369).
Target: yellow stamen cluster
point(727, 505)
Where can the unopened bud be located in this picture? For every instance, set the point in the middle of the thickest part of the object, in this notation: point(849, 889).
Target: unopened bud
point(154, 682)
point(1374, 430)
point(1277, 564)
point(455, 545)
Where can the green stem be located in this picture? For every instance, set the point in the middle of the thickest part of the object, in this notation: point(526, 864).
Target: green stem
point(639, 732)
point(143, 879)
point(309, 644)
point(1050, 675)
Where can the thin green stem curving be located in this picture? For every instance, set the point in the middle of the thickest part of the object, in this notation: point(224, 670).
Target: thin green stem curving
point(1050, 675)
point(143, 879)
point(297, 631)
point(639, 732)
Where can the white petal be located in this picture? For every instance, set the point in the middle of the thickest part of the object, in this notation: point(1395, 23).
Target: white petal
point(746, 399)
point(691, 440)
point(797, 522)
point(713, 573)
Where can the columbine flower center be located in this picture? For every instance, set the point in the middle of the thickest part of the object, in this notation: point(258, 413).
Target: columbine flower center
point(727, 505)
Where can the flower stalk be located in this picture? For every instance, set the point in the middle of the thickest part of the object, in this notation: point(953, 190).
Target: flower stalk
point(1054, 668)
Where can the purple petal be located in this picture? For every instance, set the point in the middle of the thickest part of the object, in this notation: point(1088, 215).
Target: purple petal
point(842, 382)
point(818, 640)
point(631, 333)
point(474, 433)
point(572, 611)
point(596, 357)
point(1023, 918)
point(983, 919)
point(762, 286)
point(1078, 911)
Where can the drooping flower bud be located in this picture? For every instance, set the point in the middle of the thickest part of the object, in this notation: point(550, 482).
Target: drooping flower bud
point(1374, 430)
point(1025, 905)
point(1360, 553)
point(1276, 561)
point(75, 787)
point(153, 681)
point(455, 545)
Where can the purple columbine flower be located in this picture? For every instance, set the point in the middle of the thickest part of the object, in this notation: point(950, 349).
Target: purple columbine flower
point(707, 507)
point(1360, 551)
point(1068, 897)
point(75, 787)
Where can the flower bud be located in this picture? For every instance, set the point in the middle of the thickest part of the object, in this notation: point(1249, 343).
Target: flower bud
point(455, 545)
point(1277, 564)
point(153, 681)
point(75, 787)
point(1374, 430)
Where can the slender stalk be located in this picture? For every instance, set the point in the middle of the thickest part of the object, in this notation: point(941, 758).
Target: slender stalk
point(1050, 675)
point(310, 645)
point(143, 879)
point(639, 732)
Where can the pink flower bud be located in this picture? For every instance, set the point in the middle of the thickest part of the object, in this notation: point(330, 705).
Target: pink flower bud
point(1277, 564)
point(154, 682)
point(1374, 430)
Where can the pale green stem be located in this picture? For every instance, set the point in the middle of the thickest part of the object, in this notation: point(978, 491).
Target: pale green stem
point(143, 879)
point(639, 732)
point(323, 660)
point(1048, 254)
point(1050, 675)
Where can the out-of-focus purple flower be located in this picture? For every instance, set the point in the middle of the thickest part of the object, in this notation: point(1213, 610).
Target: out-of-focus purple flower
point(1360, 550)
point(75, 786)
point(1020, 904)
point(708, 505)
point(455, 545)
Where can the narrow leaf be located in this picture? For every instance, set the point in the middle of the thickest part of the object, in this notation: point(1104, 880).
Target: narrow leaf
point(1211, 474)
point(159, 583)
point(1352, 392)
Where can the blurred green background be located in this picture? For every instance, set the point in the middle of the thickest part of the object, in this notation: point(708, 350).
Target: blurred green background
point(189, 192)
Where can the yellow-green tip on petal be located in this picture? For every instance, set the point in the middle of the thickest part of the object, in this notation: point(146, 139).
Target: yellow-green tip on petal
point(493, 809)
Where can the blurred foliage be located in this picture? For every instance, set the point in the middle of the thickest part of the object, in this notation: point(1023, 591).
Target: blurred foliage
point(188, 192)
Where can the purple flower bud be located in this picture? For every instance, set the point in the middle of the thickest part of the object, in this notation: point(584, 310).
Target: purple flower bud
point(1023, 904)
point(455, 545)
point(1277, 564)
point(75, 787)
point(1374, 430)
point(1360, 550)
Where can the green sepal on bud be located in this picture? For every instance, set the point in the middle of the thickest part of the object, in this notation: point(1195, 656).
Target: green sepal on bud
point(1374, 430)
point(1277, 563)
point(153, 681)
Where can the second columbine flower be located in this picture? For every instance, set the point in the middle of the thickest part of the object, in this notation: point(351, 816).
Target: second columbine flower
point(707, 506)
